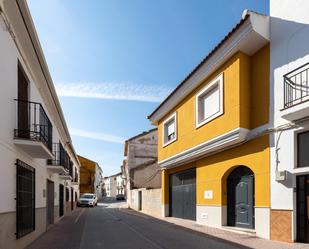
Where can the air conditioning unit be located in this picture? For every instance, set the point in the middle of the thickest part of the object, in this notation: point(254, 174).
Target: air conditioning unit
point(281, 176)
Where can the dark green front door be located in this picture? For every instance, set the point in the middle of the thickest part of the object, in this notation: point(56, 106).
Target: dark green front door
point(240, 190)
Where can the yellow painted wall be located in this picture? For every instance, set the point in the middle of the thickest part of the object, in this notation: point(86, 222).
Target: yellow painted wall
point(246, 103)
point(212, 173)
point(87, 175)
point(259, 93)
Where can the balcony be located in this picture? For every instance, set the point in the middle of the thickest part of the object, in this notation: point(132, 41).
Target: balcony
point(60, 161)
point(65, 176)
point(296, 93)
point(34, 130)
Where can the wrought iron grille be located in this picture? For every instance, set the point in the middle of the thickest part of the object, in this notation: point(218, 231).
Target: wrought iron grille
point(33, 123)
point(296, 86)
point(61, 157)
point(25, 199)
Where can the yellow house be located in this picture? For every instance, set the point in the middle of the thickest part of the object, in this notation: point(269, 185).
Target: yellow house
point(213, 146)
point(87, 175)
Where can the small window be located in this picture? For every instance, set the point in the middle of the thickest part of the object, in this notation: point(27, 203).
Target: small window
point(302, 150)
point(209, 102)
point(169, 130)
point(25, 199)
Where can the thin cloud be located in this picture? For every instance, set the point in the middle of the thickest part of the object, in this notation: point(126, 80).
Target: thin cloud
point(115, 91)
point(96, 135)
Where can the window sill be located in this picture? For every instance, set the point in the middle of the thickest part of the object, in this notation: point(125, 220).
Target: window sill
point(202, 123)
point(169, 142)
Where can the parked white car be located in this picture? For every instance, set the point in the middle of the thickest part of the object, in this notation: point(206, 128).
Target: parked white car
point(87, 199)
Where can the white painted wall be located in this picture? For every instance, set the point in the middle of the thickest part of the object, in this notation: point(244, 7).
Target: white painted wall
point(289, 49)
point(120, 184)
point(107, 186)
point(8, 151)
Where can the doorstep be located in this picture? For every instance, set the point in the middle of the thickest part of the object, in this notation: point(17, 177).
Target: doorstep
point(250, 232)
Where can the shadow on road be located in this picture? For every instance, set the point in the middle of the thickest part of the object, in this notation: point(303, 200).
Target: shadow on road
point(183, 230)
point(92, 228)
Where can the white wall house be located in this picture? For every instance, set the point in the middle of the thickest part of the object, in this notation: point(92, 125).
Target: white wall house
point(289, 112)
point(110, 185)
point(39, 168)
point(120, 184)
point(107, 187)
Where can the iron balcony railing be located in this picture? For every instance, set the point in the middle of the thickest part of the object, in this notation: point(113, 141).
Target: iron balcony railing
point(296, 86)
point(33, 123)
point(61, 157)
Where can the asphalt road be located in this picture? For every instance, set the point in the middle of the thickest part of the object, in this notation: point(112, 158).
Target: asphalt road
point(106, 226)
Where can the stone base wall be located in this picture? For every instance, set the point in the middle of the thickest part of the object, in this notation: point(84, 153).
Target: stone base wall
point(8, 229)
point(281, 225)
point(151, 201)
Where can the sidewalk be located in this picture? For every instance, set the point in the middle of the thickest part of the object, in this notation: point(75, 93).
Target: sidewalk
point(236, 237)
point(65, 234)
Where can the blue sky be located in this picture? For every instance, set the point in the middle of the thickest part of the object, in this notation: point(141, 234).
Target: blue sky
point(113, 61)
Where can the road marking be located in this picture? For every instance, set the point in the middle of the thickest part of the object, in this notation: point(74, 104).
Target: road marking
point(152, 242)
point(79, 215)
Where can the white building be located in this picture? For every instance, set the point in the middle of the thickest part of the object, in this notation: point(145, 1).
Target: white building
point(39, 168)
point(120, 184)
point(110, 185)
point(289, 111)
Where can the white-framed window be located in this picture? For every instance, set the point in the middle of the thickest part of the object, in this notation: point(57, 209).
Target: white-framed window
point(169, 130)
point(209, 102)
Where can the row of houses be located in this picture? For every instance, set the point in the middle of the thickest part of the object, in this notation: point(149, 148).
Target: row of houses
point(232, 140)
point(39, 181)
point(114, 185)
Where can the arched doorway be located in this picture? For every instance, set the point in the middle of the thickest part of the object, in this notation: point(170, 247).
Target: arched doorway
point(240, 198)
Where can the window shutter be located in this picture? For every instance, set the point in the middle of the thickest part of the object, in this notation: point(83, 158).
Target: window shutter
point(171, 128)
point(210, 103)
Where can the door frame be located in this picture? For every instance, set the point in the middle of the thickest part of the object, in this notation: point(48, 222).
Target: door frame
point(231, 211)
point(140, 200)
point(23, 111)
point(50, 208)
point(298, 211)
point(61, 204)
point(72, 199)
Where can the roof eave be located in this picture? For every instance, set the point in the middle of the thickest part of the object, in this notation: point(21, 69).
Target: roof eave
point(248, 36)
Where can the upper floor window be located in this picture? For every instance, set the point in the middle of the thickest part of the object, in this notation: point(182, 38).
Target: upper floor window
point(169, 130)
point(209, 102)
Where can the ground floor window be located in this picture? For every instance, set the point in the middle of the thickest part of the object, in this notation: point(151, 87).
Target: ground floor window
point(25, 199)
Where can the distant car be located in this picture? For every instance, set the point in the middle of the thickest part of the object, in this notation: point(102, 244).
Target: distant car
point(87, 199)
point(120, 197)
